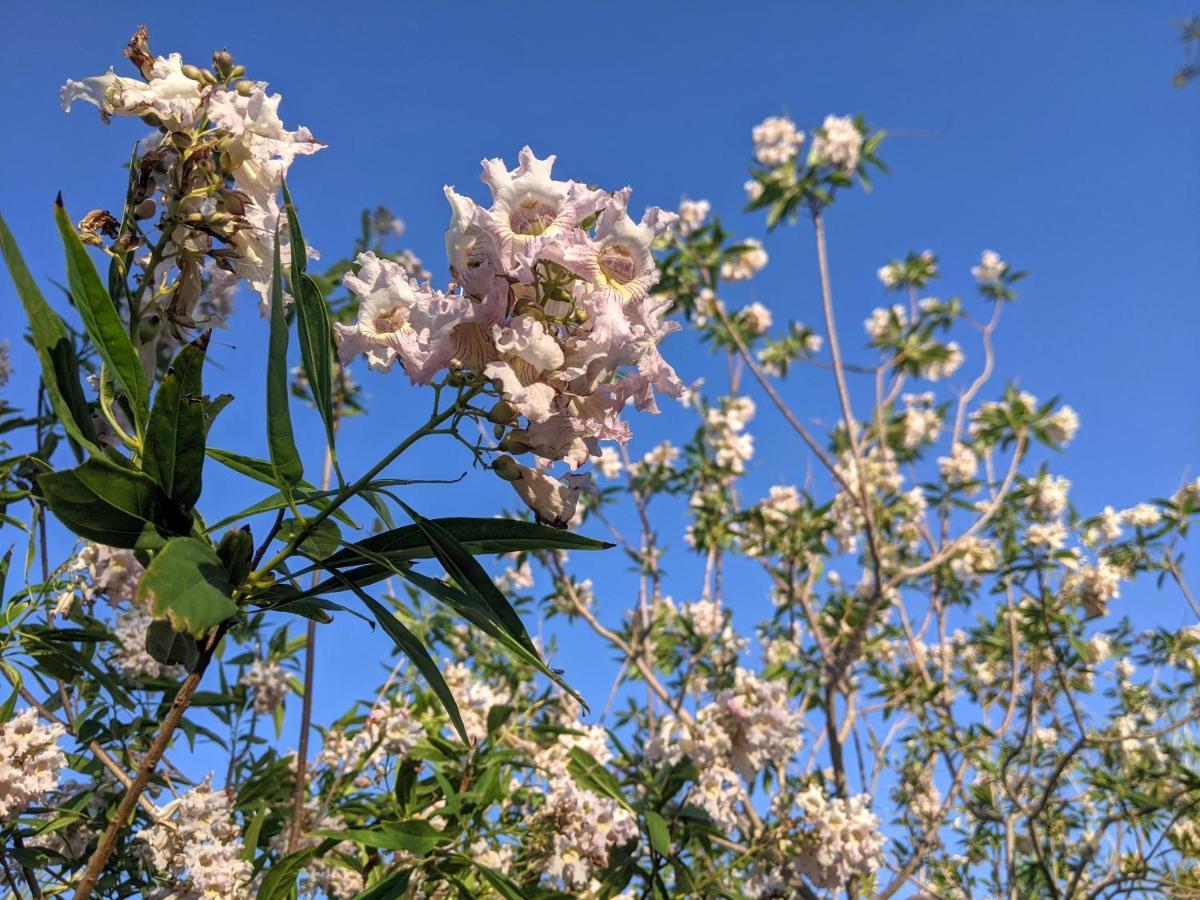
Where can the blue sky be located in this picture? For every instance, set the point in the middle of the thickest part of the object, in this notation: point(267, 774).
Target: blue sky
point(1049, 132)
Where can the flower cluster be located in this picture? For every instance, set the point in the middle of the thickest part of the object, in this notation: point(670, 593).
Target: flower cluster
point(776, 140)
point(268, 684)
point(30, 761)
point(839, 838)
point(550, 302)
point(211, 171)
point(581, 830)
point(197, 845)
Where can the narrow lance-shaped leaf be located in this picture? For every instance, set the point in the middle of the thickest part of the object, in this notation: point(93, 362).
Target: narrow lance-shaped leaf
point(55, 352)
point(411, 647)
point(313, 327)
point(470, 575)
point(102, 321)
point(174, 449)
point(280, 439)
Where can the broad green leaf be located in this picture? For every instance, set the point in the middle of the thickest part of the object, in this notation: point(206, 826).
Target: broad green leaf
point(186, 584)
point(111, 505)
point(415, 836)
point(660, 834)
point(411, 647)
point(174, 448)
point(250, 838)
point(170, 647)
point(477, 536)
point(102, 321)
point(55, 351)
point(323, 540)
point(313, 328)
point(285, 460)
point(236, 552)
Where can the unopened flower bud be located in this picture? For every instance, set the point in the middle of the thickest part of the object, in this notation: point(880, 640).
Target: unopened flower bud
point(502, 413)
point(193, 72)
point(506, 467)
point(514, 442)
point(223, 63)
point(245, 88)
point(145, 209)
point(237, 72)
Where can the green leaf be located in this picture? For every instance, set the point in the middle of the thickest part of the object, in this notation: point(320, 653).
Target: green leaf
point(313, 328)
point(170, 647)
point(660, 835)
point(102, 321)
point(110, 505)
point(186, 584)
point(589, 774)
point(55, 351)
point(250, 838)
point(261, 470)
point(470, 575)
point(236, 552)
point(412, 647)
point(174, 450)
point(325, 539)
point(391, 887)
point(502, 884)
point(285, 460)
point(477, 536)
point(414, 836)
point(280, 881)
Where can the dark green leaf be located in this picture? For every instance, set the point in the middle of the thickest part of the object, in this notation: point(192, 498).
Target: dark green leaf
point(323, 540)
point(174, 451)
point(414, 836)
point(186, 584)
point(111, 505)
point(285, 460)
point(170, 647)
point(477, 536)
point(56, 353)
point(660, 835)
point(312, 324)
point(102, 321)
point(411, 647)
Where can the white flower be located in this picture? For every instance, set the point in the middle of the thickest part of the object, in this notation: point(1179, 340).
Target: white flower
point(961, 465)
point(1062, 425)
point(753, 189)
point(268, 684)
point(838, 143)
point(609, 463)
point(756, 318)
point(692, 214)
point(776, 140)
point(748, 261)
point(30, 762)
point(938, 369)
point(199, 847)
point(1144, 515)
point(990, 269)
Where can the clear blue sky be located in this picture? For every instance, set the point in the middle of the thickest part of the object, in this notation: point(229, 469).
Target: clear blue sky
point(1049, 132)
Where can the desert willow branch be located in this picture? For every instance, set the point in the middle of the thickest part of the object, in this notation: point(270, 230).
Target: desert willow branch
point(179, 705)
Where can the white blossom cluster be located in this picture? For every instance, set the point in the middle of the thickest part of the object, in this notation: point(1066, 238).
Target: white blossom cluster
point(30, 761)
point(99, 572)
point(389, 732)
point(198, 846)
point(692, 214)
point(583, 829)
point(748, 261)
point(991, 267)
point(475, 698)
point(840, 838)
point(921, 421)
point(558, 315)
point(268, 684)
point(776, 141)
point(726, 424)
point(130, 654)
point(837, 143)
point(241, 123)
point(755, 319)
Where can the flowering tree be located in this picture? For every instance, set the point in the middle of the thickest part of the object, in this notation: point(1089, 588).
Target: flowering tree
point(943, 703)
